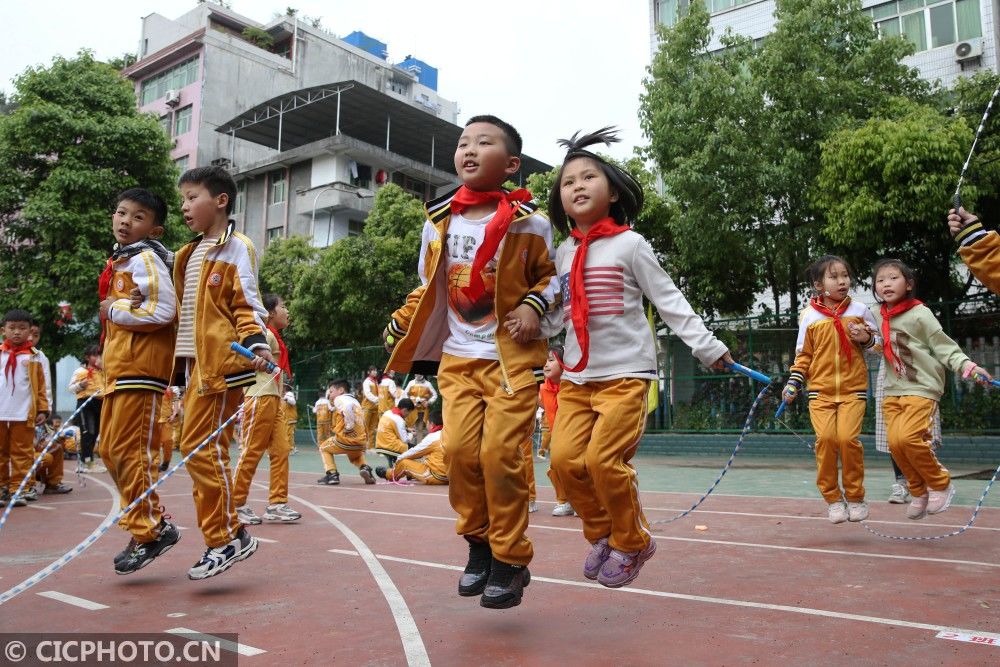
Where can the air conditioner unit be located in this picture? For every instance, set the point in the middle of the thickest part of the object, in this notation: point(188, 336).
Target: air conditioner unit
point(220, 162)
point(173, 98)
point(970, 49)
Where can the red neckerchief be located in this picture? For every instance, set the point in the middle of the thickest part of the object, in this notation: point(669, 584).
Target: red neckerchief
point(838, 324)
point(283, 362)
point(434, 429)
point(12, 351)
point(551, 387)
point(496, 228)
point(103, 289)
point(887, 314)
point(578, 290)
point(397, 411)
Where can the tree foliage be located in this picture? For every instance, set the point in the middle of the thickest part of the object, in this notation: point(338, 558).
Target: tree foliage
point(284, 263)
point(73, 142)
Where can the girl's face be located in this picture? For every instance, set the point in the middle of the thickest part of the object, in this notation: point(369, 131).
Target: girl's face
point(891, 285)
point(836, 282)
point(585, 192)
point(552, 370)
point(278, 318)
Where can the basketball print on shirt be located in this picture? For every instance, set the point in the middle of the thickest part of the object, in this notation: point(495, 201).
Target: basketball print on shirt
point(461, 250)
point(605, 288)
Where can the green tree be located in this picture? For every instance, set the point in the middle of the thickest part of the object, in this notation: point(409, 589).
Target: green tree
point(347, 296)
point(284, 263)
point(74, 140)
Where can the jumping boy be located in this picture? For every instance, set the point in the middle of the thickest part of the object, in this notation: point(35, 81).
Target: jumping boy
point(137, 359)
point(215, 276)
point(486, 258)
point(23, 401)
point(978, 248)
point(349, 437)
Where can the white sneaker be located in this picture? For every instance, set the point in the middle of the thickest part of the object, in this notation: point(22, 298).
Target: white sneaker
point(900, 494)
point(857, 511)
point(247, 516)
point(281, 512)
point(219, 559)
point(98, 468)
point(563, 509)
point(939, 501)
point(837, 512)
point(532, 507)
point(917, 508)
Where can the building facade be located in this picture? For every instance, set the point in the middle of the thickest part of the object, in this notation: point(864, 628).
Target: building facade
point(952, 38)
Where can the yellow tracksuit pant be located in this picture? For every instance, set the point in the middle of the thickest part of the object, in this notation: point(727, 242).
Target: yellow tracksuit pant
point(528, 451)
point(837, 426)
point(17, 450)
point(50, 470)
point(417, 471)
point(322, 435)
point(166, 441)
point(129, 449)
point(908, 422)
point(209, 468)
point(595, 435)
point(263, 431)
point(546, 443)
point(557, 486)
point(371, 415)
point(485, 429)
point(355, 451)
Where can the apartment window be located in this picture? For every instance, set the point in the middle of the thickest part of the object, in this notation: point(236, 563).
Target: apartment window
point(361, 175)
point(928, 24)
point(414, 186)
point(240, 203)
point(165, 124)
point(182, 121)
point(278, 186)
point(274, 233)
point(355, 227)
point(182, 163)
point(174, 78)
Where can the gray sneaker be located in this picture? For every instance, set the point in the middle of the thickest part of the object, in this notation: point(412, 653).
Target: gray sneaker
point(247, 516)
point(900, 494)
point(595, 559)
point(563, 509)
point(281, 512)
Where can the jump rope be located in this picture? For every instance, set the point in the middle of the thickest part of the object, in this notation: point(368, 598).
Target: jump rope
point(13, 592)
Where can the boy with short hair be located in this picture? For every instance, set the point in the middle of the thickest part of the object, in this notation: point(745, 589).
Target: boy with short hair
point(23, 401)
point(426, 462)
point(486, 258)
point(349, 435)
point(369, 404)
point(215, 276)
point(35, 335)
point(137, 359)
point(393, 437)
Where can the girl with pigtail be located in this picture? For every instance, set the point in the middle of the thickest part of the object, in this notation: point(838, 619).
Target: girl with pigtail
point(605, 269)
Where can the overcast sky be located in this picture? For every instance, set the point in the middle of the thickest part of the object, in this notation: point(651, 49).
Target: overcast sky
point(550, 67)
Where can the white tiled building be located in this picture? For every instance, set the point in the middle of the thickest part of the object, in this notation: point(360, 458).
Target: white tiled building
point(952, 37)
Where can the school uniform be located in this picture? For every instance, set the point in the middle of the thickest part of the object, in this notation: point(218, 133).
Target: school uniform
point(369, 405)
point(422, 394)
point(291, 417)
point(425, 462)
point(388, 394)
point(84, 383)
point(548, 397)
point(324, 423)
point(22, 398)
point(349, 434)
point(980, 250)
point(392, 438)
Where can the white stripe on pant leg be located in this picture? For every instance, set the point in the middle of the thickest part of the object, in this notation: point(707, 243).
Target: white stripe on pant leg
point(148, 462)
point(244, 431)
point(222, 465)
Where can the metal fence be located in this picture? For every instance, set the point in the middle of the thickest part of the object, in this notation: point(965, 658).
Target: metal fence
point(693, 399)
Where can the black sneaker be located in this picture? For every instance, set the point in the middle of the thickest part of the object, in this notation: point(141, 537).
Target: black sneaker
point(4, 498)
point(366, 474)
point(331, 478)
point(217, 560)
point(58, 489)
point(143, 554)
point(505, 586)
point(380, 472)
point(477, 570)
point(164, 466)
point(123, 554)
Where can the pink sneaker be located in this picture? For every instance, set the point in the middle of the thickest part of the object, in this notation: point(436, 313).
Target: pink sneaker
point(622, 568)
point(595, 559)
point(918, 507)
point(939, 501)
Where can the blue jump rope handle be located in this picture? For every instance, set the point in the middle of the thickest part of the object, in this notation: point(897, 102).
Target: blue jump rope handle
point(749, 372)
point(239, 349)
point(781, 409)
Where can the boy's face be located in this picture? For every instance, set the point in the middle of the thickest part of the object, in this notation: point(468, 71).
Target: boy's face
point(133, 222)
point(278, 318)
point(334, 392)
point(481, 158)
point(34, 334)
point(201, 210)
point(56, 423)
point(17, 332)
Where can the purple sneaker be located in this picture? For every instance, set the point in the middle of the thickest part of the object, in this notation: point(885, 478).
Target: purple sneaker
point(622, 568)
point(595, 559)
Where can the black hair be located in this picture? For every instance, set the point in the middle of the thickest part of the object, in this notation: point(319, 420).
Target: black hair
point(556, 350)
point(435, 418)
point(215, 179)
point(909, 275)
point(511, 137)
point(54, 416)
point(816, 271)
point(341, 384)
point(271, 301)
point(18, 315)
point(92, 351)
point(624, 184)
point(405, 404)
point(34, 322)
point(146, 199)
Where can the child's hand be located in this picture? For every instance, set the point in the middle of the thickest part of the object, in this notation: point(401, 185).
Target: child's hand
point(105, 307)
point(723, 362)
point(977, 373)
point(135, 297)
point(859, 333)
point(388, 340)
point(957, 220)
point(522, 323)
point(263, 358)
point(791, 391)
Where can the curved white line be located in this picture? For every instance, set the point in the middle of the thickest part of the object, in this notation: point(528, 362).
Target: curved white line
point(64, 560)
point(413, 644)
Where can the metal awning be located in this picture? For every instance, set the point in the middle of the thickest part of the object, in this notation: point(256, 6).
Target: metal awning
point(356, 110)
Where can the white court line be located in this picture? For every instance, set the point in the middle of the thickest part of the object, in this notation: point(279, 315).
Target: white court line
point(409, 633)
point(94, 514)
point(232, 647)
point(265, 540)
point(84, 501)
point(73, 600)
point(752, 545)
point(808, 611)
point(41, 507)
point(697, 511)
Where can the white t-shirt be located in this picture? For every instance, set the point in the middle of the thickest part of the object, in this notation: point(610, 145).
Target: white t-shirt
point(472, 326)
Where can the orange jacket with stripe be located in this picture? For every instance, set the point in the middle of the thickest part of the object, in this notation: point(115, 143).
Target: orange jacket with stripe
point(980, 250)
point(525, 274)
point(227, 308)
